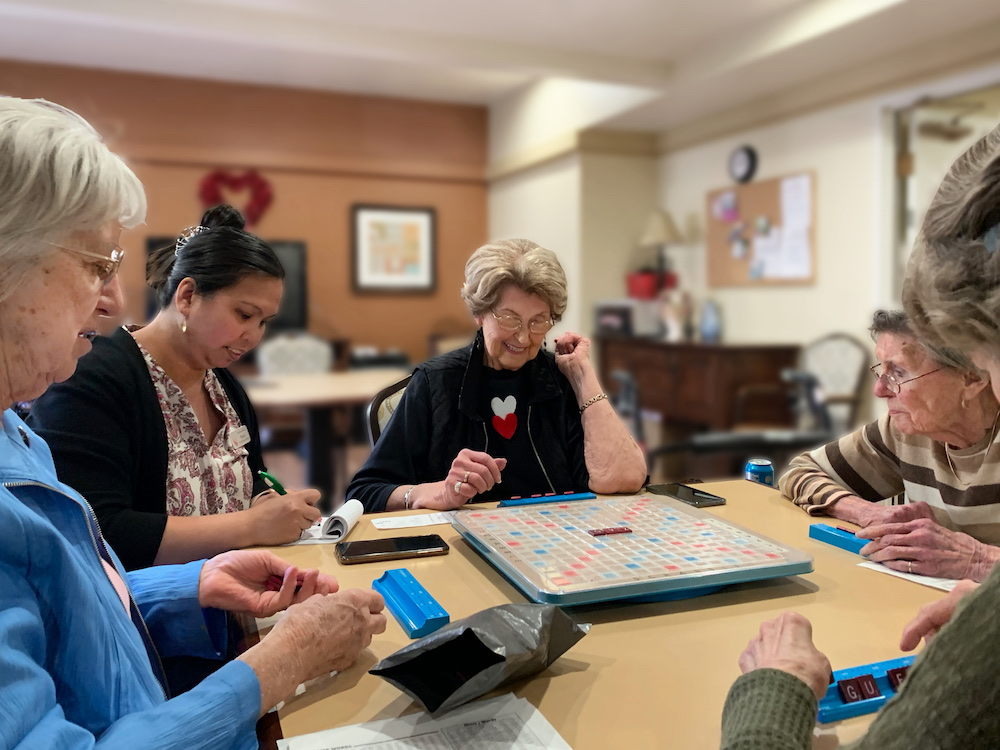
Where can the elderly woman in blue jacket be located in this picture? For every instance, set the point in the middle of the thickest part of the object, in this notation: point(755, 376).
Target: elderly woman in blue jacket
point(503, 417)
point(80, 640)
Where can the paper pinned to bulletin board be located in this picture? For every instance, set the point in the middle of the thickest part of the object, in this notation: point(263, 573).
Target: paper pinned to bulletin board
point(762, 232)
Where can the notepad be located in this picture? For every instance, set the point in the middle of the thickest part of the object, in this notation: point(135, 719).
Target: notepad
point(335, 527)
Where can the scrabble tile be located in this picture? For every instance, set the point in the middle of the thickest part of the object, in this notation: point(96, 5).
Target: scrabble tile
point(869, 688)
point(850, 690)
point(896, 676)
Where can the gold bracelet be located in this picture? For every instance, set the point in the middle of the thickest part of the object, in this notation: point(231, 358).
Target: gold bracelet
point(406, 497)
point(594, 400)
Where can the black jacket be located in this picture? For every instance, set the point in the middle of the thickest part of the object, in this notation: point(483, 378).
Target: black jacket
point(438, 416)
point(109, 442)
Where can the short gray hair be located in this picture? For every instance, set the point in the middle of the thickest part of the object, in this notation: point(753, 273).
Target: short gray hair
point(952, 285)
point(889, 321)
point(518, 263)
point(897, 322)
point(56, 177)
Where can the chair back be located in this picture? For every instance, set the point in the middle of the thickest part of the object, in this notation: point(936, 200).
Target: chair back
point(838, 362)
point(294, 354)
point(382, 407)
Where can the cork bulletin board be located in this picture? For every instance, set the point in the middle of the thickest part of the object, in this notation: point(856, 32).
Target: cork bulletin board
point(762, 233)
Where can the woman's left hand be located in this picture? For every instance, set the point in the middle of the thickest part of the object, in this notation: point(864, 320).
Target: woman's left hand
point(247, 581)
point(573, 356)
point(925, 547)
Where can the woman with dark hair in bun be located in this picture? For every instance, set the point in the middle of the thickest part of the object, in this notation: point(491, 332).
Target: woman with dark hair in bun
point(155, 432)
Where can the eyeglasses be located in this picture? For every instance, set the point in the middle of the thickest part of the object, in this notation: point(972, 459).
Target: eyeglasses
point(890, 382)
point(108, 265)
point(513, 323)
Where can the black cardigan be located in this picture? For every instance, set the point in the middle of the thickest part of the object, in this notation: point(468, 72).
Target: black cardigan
point(109, 442)
point(439, 415)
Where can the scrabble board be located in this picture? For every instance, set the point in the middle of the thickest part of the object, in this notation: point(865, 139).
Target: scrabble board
point(649, 547)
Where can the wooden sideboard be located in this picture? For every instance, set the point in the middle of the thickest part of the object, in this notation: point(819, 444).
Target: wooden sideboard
point(697, 385)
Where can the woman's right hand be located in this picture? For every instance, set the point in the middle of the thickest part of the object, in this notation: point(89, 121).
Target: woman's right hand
point(471, 473)
point(280, 519)
point(785, 643)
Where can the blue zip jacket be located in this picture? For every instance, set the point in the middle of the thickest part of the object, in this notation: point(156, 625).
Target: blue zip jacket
point(74, 671)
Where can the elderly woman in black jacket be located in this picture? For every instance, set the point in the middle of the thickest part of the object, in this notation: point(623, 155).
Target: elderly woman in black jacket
point(503, 417)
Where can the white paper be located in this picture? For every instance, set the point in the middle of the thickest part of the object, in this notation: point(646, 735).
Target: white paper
point(795, 259)
point(504, 723)
point(407, 522)
point(766, 263)
point(945, 584)
point(335, 527)
point(796, 202)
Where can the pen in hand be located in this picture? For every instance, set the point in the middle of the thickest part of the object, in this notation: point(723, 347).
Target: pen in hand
point(271, 482)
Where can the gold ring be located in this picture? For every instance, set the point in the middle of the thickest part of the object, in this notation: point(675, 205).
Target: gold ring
point(458, 488)
point(467, 476)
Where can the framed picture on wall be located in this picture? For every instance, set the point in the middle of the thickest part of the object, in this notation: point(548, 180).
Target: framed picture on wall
point(393, 249)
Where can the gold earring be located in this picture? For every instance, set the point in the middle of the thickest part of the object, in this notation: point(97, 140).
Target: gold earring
point(184, 325)
point(965, 404)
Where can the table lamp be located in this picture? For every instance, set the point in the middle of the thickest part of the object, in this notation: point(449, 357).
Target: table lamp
point(661, 231)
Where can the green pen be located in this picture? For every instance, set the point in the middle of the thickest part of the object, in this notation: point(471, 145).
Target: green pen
point(271, 482)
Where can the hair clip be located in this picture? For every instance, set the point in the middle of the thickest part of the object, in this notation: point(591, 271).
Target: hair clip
point(991, 238)
point(185, 237)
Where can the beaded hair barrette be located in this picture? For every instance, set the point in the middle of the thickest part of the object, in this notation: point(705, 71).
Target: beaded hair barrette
point(185, 237)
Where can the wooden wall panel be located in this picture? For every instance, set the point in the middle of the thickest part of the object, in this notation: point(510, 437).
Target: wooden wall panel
point(322, 152)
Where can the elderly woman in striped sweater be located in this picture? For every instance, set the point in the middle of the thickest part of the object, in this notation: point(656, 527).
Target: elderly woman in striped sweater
point(937, 444)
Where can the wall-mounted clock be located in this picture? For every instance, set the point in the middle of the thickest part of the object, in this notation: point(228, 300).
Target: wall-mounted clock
point(743, 163)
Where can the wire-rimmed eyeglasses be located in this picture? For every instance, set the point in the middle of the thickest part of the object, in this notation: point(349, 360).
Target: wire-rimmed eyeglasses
point(107, 265)
point(513, 323)
point(891, 383)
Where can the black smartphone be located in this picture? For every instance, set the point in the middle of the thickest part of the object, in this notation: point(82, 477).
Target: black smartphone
point(686, 494)
point(393, 548)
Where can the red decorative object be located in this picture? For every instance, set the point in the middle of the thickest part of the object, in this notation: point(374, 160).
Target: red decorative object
point(261, 195)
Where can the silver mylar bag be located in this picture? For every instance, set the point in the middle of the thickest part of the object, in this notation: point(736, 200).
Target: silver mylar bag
point(470, 657)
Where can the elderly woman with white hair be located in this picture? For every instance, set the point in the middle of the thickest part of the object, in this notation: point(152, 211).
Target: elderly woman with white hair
point(503, 417)
point(952, 297)
point(81, 641)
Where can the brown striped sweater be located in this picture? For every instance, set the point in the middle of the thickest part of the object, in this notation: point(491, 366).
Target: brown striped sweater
point(877, 462)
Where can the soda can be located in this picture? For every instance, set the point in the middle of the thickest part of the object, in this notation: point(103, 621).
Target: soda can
point(760, 470)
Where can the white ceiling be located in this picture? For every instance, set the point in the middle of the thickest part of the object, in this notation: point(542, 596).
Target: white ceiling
point(700, 56)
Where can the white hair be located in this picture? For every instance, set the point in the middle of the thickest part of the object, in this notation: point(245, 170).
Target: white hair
point(56, 176)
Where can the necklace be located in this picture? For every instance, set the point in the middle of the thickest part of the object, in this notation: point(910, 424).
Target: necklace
point(993, 433)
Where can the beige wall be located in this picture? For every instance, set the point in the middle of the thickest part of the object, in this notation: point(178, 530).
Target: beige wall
point(321, 152)
point(841, 146)
point(543, 204)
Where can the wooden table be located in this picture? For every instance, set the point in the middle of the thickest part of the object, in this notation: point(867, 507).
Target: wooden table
point(647, 675)
point(320, 394)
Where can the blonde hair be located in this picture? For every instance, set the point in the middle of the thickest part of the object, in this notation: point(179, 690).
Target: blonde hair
point(56, 177)
point(952, 287)
point(518, 263)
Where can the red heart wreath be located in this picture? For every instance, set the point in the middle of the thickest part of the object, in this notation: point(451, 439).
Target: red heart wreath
point(261, 194)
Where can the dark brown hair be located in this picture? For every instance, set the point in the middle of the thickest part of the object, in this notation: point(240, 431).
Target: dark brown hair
point(216, 258)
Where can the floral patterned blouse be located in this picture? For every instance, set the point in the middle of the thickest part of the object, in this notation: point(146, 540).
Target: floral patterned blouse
point(202, 479)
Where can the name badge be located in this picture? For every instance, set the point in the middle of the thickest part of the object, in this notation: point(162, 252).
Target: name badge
point(239, 438)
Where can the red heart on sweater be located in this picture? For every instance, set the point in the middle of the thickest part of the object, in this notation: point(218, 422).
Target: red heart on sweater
point(505, 425)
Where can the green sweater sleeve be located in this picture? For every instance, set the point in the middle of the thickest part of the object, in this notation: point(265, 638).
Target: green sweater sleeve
point(949, 700)
point(770, 710)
